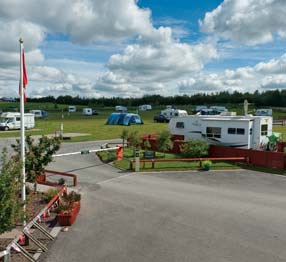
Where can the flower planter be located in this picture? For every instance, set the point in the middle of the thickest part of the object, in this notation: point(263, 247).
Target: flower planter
point(68, 218)
point(41, 178)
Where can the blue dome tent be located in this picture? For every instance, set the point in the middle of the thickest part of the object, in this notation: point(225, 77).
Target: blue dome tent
point(124, 119)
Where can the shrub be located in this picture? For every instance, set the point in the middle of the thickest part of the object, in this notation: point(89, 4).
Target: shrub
point(164, 142)
point(206, 165)
point(49, 195)
point(38, 155)
point(10, 186)
point(195, 148)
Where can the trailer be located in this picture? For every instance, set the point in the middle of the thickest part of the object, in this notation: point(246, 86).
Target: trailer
point(145, 107)
point(122, 109)
point(39, 113)
point(72, 109)
point(171, 112)
point(11, 120)
point(87, 111)
point(263, 112)
point(249, 131)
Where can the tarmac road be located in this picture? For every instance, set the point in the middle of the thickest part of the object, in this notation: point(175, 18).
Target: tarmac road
point(187, 216)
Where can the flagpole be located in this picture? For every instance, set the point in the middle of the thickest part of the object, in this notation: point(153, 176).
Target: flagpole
point(22, 132)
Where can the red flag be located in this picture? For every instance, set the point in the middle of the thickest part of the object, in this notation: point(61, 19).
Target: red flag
point(25, 78)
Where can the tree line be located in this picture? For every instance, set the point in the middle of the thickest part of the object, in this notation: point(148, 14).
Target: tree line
point(267, 98)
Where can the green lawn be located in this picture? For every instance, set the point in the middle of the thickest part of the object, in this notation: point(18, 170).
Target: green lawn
point(95, 125)
point(178, 165)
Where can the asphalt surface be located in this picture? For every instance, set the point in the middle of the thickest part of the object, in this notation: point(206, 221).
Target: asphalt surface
point(187, 216)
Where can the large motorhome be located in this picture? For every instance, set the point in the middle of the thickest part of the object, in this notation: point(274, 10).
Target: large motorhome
point(235, 131)
point(11, 120)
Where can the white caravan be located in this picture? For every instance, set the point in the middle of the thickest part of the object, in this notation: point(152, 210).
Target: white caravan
point(263, 112)
point(11, 120)
point(121, 108)
point(145, 107)
point(39, 113)
point(235, 131)
point(171, 112)
point(72, 109)
point(87, 111)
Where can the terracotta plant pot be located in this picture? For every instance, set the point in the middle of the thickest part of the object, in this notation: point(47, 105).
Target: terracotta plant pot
point(68, 218)
point(41, 178)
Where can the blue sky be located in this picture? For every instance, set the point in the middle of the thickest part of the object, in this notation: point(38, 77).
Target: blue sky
point(132, 48)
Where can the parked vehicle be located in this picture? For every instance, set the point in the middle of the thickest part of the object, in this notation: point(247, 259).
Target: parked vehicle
point(263, 112)
point(171, 112)
point(87, 111)
point(11, 120)
point(121, 109)
point(94, 112)
point(219, 109)
point(145, 107)
point(159, 118)
point(72, 109)
point(197, 109)
point(39, 113)
point(234, 131)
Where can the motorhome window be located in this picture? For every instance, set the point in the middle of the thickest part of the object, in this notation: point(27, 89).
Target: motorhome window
point(264, 130)
point(18, 118)
point(214, 132)
point(240, 131)
point(250, 131)
point(180, 125)
point(231, 131)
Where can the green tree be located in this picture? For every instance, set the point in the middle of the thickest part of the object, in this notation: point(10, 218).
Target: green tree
point(164, 142)
point(134, 140)
point(195, 148)
point(38, 155)
point(10, 186)
point(124, 136)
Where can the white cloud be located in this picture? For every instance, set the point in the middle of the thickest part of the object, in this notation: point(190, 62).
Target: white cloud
point(274, 82)
point(159, 57)
point(84, 21)
point(264, 75)
point(274, 66)
point(248, 21)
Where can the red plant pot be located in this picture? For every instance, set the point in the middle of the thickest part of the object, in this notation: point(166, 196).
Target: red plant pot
point(41, 178)
point(68, 218)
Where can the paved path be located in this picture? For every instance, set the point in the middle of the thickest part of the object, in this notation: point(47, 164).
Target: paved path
point(190, 216)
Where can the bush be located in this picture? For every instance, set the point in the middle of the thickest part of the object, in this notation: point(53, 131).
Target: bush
point(195, 148)
point(206, 165)
point(49, 195)
point(107, 156)
point(10, 186)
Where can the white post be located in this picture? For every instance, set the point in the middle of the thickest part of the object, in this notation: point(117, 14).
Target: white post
point(22, 131)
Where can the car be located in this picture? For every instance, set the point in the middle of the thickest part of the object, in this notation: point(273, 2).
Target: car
point(159, 118)
point(94, 112)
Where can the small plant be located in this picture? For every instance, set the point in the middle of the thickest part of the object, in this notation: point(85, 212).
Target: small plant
point(50, 194)
point(68, 201)
point(206, 164)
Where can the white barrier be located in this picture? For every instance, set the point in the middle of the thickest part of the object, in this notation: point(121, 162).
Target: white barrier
point(86, 151)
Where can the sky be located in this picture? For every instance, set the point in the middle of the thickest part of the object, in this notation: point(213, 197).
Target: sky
point(129, 48)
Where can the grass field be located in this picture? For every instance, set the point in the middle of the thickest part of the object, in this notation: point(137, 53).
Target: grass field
point(108, 156)
point(95, 125)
